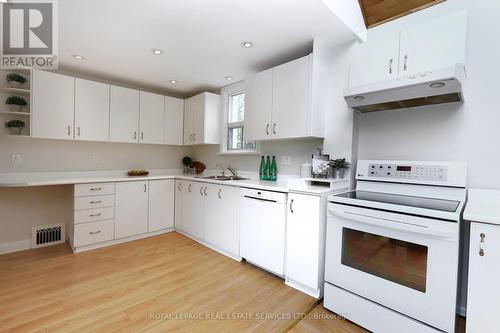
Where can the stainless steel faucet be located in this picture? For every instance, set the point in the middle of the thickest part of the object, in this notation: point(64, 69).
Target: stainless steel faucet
point(234, 171)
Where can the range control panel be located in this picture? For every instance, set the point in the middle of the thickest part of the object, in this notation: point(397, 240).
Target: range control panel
point(408, 172)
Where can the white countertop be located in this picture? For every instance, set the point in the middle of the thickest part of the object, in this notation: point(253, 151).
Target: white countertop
point(82, 177)
point(483, 206)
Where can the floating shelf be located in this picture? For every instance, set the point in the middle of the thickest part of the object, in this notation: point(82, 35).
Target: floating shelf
point(15, 113)
point(17, 90)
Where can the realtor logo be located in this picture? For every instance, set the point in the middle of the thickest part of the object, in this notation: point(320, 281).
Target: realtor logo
point(29, 34)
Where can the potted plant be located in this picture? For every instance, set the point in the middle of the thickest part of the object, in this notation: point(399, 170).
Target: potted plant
point(15, 126)
point(16, 103)
point(339, 166)
point(15, 80)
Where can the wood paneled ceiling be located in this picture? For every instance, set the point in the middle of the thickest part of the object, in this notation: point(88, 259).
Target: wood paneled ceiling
point(377, 12)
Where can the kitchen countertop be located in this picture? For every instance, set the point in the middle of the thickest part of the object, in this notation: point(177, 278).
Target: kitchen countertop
point(284, 185)
point(483, 206)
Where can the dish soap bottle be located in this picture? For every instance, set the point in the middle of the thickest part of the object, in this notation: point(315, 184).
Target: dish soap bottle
point(274, 170)
point(262, 169)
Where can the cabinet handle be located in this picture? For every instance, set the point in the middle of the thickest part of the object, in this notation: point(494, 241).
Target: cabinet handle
point(481, 244)
point(69, 130)
point(145, 188)
point(194, 137)
point(205, 191)
point(96, 188)
point(94, 232)
point(390, 65)
point(219, 194)
point(274, 128)
point(142, 136)
point(267, 129)
point(178, 187)
point(135, 135)
point(291, 206)
point(78, 128)
point(96, 202)
point(189, 188)
point(201, 190)
point(405, 65)
point(95, 215)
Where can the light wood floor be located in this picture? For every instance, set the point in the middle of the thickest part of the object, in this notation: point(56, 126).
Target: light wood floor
point(160, 284)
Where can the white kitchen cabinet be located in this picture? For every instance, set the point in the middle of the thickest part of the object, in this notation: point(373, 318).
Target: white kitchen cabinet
point(220, 220)
point(202, 119)
point(436, 44)
point(280, 103)
point(174, 121)
point(193, 202)
point(131, 208)
point(376, 60)
point(124, 115)
point(152, 118)
point(483, 304)
point(161, 204)
point(259, 105)
point(53, 105)
point(306, 217)
point(91, 110)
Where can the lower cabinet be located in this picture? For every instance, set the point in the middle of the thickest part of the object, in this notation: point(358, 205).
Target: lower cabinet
point(161, 204)
point(192, 209)
point(131, 208)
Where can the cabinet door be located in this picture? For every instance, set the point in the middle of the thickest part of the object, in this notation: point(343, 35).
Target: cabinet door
point(376, 60)
point(53, 106)
point(198, 118)
point(303, 242)
point(131, 209)
point(483, 304)
point(91, 110)
point(161, 204)
point(219, 224)
point(258, 106)
point(192, 209)
point(174, 121)
point(189, 106)
point(124, 115)
point(180, 187)
point(433, 45)
point(292, 99)
point(152, 118)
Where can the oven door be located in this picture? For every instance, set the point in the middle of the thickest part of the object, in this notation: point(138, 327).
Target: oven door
point(406, 263)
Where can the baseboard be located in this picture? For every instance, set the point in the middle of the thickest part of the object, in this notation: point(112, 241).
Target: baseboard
point(210, 246)
point(21, 245)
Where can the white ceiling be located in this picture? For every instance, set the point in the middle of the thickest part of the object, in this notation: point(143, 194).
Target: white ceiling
point(201, 39)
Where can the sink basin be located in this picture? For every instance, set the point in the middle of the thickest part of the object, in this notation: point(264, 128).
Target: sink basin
point(225, 177)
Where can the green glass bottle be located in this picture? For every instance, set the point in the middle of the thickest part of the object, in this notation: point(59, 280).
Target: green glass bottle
point(262, 169)
point(267, 171)
point(274, 170)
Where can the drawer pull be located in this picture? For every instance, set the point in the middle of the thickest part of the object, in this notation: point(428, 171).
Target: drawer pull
point(96, 202)
point(95, 215)
point(96, 189)
point(94, 232)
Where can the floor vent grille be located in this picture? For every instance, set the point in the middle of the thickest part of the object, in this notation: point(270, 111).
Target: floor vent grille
point(49, 234)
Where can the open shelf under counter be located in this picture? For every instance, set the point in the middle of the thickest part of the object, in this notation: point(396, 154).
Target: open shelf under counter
point(18, 91)
point(15, 113)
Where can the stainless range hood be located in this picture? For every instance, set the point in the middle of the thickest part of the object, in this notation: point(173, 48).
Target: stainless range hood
point(429, 88)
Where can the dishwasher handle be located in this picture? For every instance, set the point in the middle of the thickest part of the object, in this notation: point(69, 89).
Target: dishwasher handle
point(260, 199)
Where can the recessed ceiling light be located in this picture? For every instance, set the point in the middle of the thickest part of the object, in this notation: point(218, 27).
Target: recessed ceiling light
point(247, 44)
point(157, 51)
point(437, 85)
point(79, 57)
point(229, 78)
point(359, 98)
point(173, 81)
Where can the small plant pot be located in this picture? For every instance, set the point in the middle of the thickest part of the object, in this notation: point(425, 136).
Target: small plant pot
point(15, 84)
point(15, 130)
point(16, 108)
point(338, 173)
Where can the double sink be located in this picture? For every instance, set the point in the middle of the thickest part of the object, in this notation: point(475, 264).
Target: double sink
point(225, 178)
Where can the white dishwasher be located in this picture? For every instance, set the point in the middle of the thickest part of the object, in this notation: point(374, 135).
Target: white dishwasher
point(262, 229)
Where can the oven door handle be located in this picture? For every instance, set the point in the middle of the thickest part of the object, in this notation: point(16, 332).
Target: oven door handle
point(390, 224)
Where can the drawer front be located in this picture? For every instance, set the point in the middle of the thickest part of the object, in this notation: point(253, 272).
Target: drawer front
point(97, 201)
point(94, 232)
point(82, 190)
point(90, 215)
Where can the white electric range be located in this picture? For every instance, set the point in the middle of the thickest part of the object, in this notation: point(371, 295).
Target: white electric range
point(393, 246)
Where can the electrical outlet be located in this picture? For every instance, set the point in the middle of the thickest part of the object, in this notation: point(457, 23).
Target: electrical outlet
point(95, 159)
point(286, 160)
point(15, 159)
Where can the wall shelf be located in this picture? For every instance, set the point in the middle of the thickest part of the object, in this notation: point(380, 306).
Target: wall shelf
point(17, 90)
point(16, 113)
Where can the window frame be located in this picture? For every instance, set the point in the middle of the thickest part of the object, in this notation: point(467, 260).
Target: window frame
point(226, 93)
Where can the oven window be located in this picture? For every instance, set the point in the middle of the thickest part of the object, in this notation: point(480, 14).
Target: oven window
point(394, 260)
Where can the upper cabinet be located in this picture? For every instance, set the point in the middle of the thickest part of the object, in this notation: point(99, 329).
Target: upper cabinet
point(202, 119)
point(53, 106)
point(279, 103)
point(152, 118)
point(124, 115)
point(91, 110)
point(425, 47)
point(174, 121)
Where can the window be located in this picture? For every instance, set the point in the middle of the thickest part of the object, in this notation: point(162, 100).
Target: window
point(233, 105)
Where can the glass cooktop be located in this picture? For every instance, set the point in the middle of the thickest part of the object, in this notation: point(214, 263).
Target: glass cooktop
point(403, 200)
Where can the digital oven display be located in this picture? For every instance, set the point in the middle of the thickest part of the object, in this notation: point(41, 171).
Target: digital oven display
point(403, 168)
